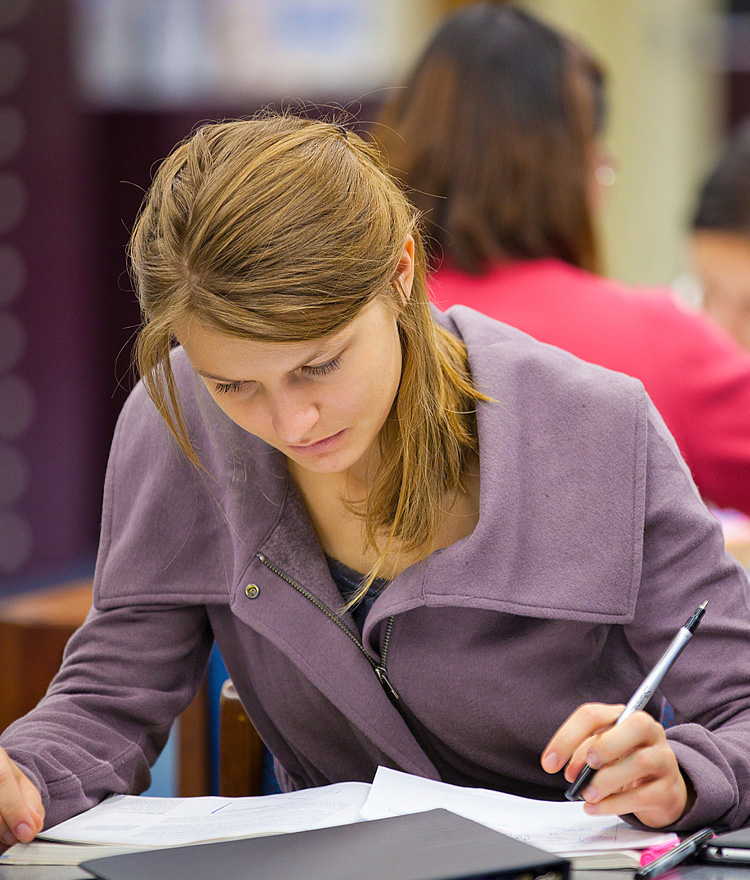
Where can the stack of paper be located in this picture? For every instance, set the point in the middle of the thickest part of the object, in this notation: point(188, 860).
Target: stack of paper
point(44, 852)
point(123, 823)
point(560, 827)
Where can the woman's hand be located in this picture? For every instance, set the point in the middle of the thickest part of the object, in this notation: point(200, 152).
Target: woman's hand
point(21, 810)
point(637, 771)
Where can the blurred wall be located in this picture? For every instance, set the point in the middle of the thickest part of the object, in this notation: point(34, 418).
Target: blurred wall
point(667, 112)
point(53, 375)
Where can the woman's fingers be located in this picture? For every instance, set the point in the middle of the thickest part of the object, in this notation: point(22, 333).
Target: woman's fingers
point(637, 771)
point(636, 732)
point(648, 783)
point(570, 742)
point(21, 811)
point(33, 800)
point(29, 790)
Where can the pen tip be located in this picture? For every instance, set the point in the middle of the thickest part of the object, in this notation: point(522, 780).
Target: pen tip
point(703, 605)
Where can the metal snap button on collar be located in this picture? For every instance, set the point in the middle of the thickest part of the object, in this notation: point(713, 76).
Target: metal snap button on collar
point(252, 591)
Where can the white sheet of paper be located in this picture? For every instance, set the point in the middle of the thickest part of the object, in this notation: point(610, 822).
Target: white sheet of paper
point(156, 822)
point(551, 825)
point(45, 852)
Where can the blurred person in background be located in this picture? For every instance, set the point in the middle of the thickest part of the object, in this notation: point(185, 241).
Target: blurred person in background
point(719, 243)
point(498, 137)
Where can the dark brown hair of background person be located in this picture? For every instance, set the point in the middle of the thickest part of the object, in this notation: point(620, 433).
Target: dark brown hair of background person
point(494, 136)
point(723, 202)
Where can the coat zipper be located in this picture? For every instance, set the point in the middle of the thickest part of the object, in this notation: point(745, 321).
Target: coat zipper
point(380, 668)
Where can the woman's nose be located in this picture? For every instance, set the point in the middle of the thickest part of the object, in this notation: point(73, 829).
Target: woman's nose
point(293, 418)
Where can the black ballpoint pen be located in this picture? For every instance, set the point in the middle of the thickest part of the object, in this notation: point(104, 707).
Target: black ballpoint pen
point(677, 855)
point(645, 691)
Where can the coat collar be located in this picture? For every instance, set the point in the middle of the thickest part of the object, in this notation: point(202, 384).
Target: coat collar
point(562, 483)
point(562, 492)
point(562, 496)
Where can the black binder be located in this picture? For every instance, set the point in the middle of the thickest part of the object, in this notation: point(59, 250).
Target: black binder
point(434, 845)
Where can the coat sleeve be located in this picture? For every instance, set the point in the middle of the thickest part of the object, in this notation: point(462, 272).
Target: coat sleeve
point(126, 675)
point(138, 660)
point(685, 563)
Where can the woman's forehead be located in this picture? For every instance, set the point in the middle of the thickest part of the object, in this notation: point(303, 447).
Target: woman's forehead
point(226, 357)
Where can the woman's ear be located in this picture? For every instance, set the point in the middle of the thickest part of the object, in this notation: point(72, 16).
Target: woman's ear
point(404, 276)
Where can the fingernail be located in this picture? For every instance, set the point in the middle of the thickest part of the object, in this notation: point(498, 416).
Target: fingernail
point(590, 793)
point(8, 839)
point(550, 762)
point(592, 809)
point(592, 760)
point(24, 833)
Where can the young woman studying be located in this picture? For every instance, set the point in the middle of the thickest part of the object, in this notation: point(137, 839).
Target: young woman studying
point(420, 540)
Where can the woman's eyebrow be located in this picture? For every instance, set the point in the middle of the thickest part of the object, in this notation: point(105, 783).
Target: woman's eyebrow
point(206, 375)
point(319, 352)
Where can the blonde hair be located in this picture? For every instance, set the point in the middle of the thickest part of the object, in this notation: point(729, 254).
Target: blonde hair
point(280, 228)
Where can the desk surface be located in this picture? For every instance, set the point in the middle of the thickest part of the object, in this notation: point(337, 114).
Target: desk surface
point(65, 606)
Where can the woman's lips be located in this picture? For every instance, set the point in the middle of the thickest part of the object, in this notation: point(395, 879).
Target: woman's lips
point(319, 446)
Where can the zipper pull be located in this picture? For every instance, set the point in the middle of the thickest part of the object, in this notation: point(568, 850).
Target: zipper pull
point(389, 688)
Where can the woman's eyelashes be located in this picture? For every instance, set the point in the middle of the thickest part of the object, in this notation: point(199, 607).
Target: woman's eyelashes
point(226, 387)
point(316, 370)
point(322, 369)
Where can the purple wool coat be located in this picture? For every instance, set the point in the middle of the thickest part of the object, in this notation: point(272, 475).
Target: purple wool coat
point(592, 549)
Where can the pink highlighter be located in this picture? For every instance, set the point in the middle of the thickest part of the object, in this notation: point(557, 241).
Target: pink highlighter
point(653, 852)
